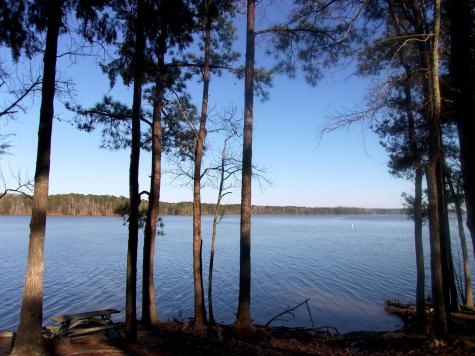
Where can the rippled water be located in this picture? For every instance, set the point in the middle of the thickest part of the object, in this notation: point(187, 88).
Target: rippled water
point(347, 265)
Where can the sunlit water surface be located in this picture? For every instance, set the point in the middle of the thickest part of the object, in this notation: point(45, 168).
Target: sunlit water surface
point(347, 265)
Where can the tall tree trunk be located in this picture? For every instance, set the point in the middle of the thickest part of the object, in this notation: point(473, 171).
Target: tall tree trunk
point(416, 155)
point(440, 313)
point(216, 220)
point(200, 308)
point(131, 283)
point(429, 59)
point(30, 340)
point(463, 73)
point(420, 290)
point(448, 272)
point(463, 242)
point(419, 247)
point(438, 296)
point(149, 308)
point(243, 318)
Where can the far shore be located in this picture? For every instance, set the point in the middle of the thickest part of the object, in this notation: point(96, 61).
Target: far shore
point(190, 215)
point(108, 205)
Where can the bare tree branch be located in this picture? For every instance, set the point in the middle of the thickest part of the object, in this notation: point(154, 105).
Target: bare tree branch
point(23, 186)
point(22, 95)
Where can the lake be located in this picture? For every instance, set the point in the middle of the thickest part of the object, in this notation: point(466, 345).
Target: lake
point(347, 265)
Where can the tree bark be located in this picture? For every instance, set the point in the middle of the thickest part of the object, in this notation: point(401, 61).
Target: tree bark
point(463, 73)
point(419, 247)
point(421, 317)
point(131, 283)
point(429, 59)
point(440, 313)
point(30, 340)
point(420, 289)
point(425, 55)
point(243, 318)
point(200, 308)
point(149, 307)
point(468, 300)
point(450, 288)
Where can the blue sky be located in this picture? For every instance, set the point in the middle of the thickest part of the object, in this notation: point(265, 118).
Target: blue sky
point(347, 168)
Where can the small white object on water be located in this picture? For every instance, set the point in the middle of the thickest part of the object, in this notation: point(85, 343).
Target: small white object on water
point(352, 226)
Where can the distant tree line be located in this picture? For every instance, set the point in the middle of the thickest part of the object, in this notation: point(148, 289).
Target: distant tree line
point(419, 52)
point(64, 204)
point(109, 205)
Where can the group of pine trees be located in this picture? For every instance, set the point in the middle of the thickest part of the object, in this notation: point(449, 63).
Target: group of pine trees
point(425, 55)
point(421, 50)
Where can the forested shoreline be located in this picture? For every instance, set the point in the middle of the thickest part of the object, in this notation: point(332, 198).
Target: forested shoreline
point(109, 205)
point(417, 56)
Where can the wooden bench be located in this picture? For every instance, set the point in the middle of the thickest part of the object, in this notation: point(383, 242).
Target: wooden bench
point(83, 323)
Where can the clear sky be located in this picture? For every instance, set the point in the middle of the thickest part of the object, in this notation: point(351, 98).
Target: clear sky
point(347, 168)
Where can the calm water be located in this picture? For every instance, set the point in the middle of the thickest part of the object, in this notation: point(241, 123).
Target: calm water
point(347, 265)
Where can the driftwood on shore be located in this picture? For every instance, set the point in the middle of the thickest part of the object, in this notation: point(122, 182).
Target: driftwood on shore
point(326, 328)
point(290, 310)
point(463, 320)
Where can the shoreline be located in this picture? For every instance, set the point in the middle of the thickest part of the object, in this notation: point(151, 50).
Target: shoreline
point(190, 215)
point(173, 338)
point(106, 205)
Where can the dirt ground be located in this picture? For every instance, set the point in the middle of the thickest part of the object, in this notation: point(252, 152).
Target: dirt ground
point(179, 339)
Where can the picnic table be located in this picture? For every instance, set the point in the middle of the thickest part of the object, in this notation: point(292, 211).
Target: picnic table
point(83, 323)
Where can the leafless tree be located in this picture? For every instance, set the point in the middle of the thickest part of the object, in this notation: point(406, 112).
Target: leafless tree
point(18, 83)
point(225, 177)
point(21, 184)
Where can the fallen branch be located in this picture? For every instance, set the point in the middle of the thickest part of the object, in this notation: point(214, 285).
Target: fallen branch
point(287, 311)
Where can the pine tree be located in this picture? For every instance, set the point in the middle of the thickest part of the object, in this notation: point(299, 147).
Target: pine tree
point(43, 17)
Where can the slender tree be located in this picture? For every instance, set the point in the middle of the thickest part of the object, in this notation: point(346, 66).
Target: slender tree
point(417, 209)
point(172, 27)
point(450, 288)
point(164, 24)
point(418, 213)
point(200, 309)
point(462, 70)
point(49, 17)
point(403, 143)
point(310, 29)
point(456, 196)
point(420, 33)
point(216, 219)
point(226, 170)
point(243, 318)
point(426, 49)
point(131, 18)
point(149, 308)
point(131, 281)
point(416, 155)
point(217, 32)
point(30, 339)
point(440, 312)
point(420, 289)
